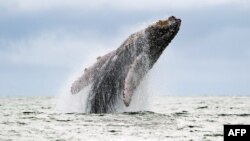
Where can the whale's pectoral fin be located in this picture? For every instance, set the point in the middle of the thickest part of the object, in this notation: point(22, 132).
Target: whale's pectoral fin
point(136, 72)
point(82, 82)
point(89, 74)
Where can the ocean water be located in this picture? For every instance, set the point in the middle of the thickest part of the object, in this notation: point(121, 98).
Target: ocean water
point(168, 118)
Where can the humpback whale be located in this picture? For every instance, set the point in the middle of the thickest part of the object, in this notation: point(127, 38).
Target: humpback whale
point(116, 75)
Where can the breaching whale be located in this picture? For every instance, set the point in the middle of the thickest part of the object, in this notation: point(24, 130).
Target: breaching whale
point(116, 75)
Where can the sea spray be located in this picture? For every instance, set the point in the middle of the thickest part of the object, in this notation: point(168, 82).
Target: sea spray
point(68, 103)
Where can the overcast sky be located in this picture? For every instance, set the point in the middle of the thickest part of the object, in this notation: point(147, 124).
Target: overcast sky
point(44, 43)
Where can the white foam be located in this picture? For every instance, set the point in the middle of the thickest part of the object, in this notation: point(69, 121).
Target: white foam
point(68, 103)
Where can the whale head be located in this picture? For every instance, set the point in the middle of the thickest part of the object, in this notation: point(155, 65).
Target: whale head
point(159, 35)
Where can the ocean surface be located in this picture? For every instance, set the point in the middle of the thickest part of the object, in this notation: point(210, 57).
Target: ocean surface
point(168, 118)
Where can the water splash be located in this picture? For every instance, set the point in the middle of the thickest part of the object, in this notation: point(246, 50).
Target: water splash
point(68, 103)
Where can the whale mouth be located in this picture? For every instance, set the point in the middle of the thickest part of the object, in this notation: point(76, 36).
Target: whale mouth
point(164, 30)
point(168, 27)
point(171, 22)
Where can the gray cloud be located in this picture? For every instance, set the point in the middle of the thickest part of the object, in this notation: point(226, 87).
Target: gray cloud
point(128, 5)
